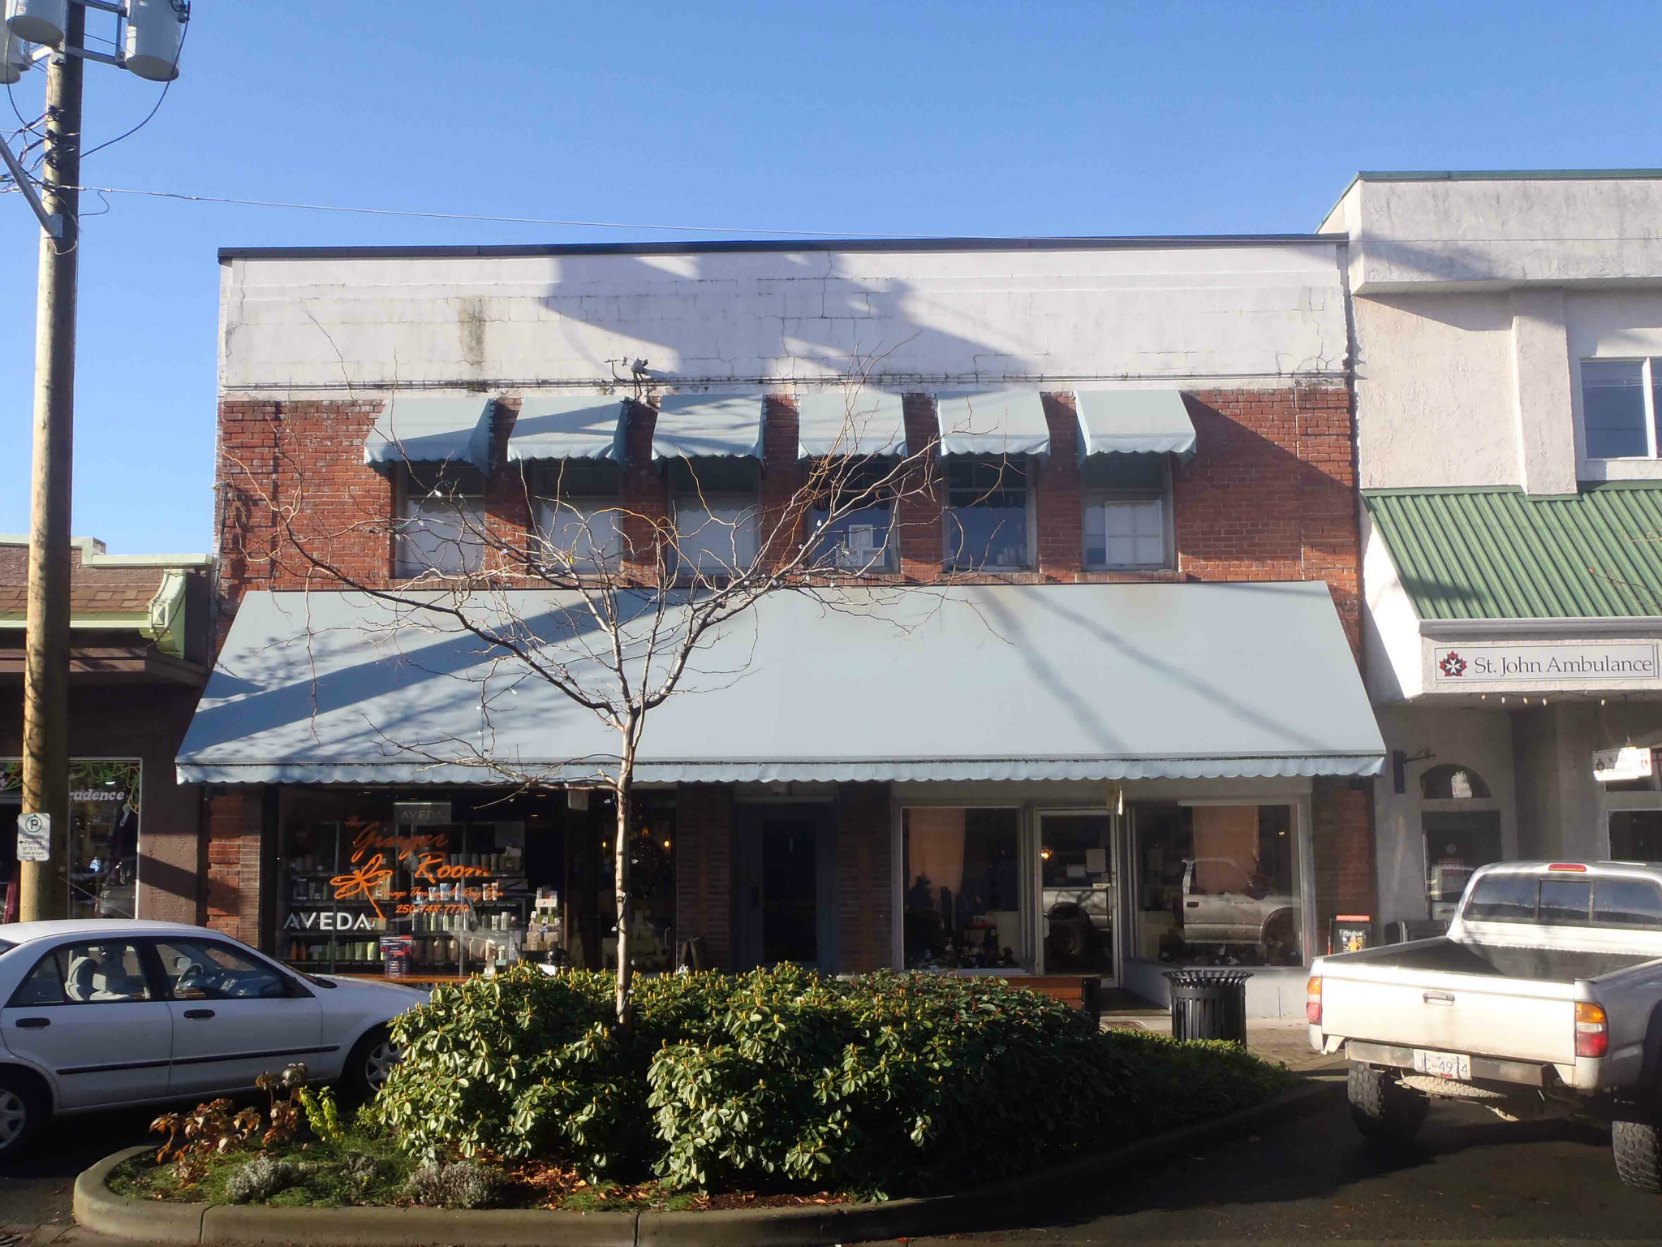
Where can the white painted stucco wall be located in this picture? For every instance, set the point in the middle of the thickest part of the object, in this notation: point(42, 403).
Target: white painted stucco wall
point(1226, 314)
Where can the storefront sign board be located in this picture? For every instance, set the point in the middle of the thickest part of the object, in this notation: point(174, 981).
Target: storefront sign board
point(34, 837)
point(1619, 765)
point(421, 813)
point(1568, 664)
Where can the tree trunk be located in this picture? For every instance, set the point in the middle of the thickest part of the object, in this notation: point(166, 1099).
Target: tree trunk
point(625, 789)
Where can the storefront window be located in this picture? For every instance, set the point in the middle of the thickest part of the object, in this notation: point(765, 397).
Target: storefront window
point(103, 833)
point(963, 904)
point(1457, 842)
point(1636, 836)
point(1076, 863)
point(1218, 884)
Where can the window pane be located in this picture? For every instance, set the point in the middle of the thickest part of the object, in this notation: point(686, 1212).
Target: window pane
point(1566, 902)
point(44, 986)
point(1636, 836)
point(1502, 898)
point(986, 520)
point(1627, 903)
point(963, 888)
point(581, 532)
point(716, 533)
point(1133, 532)
point(1077, 865)
point(1143, 473)
point(1218, 884)
point(208, 970)
point(441, 533)
point(1613, 408)
point(96, 972)
point(859, 539)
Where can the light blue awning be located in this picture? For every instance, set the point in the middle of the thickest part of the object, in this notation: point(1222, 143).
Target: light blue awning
point(856, 422)
point(1002, 682)
point(567, 427)
point(994, 422)
point(421, 428)
point(708, 426)
point(1134, 422)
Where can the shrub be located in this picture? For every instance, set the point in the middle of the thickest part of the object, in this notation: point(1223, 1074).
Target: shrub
point(460, 1184)
point(260, 1179)
point(781, 1078)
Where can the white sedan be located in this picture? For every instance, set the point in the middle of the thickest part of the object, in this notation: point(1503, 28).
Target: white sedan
point(100, 1013)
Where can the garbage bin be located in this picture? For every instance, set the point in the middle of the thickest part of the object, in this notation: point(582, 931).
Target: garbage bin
point(1208, 1004)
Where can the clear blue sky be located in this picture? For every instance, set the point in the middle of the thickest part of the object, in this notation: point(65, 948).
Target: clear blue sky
point(965, 118)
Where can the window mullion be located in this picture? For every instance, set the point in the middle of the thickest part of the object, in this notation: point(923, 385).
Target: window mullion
point(1648, 394)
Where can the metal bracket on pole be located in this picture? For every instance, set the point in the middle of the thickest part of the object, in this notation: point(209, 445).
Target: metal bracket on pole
point(51, 222)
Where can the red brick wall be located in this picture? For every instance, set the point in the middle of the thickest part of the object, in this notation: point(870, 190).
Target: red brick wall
point(865, 878)
point(704, 869)
point(1342, 846)
point(232, 824)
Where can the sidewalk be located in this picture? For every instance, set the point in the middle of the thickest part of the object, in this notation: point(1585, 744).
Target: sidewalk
point(1286, 1040)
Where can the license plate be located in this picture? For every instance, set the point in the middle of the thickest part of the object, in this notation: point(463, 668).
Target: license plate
point(1443, 1064)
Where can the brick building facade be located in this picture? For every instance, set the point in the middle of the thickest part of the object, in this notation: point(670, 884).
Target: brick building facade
point(1266, 495)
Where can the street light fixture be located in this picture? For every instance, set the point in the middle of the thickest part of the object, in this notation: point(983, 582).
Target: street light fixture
point(153, 36)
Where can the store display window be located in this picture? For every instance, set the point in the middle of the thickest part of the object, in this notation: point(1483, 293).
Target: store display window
point(963, 888)
point(1217, 884)
point(103, 832)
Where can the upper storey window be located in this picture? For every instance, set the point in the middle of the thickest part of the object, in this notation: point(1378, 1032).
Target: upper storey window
point(1619, 405)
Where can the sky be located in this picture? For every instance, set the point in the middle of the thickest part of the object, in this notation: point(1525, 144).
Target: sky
point(1031, 118)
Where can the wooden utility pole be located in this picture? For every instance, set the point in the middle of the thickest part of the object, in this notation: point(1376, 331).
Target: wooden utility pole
point(44, 890)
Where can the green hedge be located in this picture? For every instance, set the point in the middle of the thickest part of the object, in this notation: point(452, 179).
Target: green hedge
point(883, 1083)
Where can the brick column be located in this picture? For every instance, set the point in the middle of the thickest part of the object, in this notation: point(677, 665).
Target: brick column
point(232, 827)
point(920, 514)
point(865, 878)
point(704, 869)
point(645, 501)
point(508, 517)
point(1057, 507)
point(1341, 836)
point(782, 479)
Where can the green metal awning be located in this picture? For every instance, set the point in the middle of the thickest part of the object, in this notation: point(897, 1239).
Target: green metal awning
point(567, 427)
point(1134, 422)
point(1500, 554)
point(859, 422)
point(420, 428)
point(997, 682)
point(994, 422)
point(708, 426)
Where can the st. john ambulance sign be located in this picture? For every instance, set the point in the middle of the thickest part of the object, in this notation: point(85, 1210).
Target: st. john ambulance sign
point(1454, 665)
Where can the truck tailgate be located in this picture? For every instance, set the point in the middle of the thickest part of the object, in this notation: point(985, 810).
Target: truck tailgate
point(1521, 1020)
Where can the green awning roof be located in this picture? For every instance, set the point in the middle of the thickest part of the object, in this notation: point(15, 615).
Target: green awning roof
point(997, 682)
point(1134, 422)
point(1500, 554)
point(708, 426)
point(994, 422)
point(859, 422)
point(567, 427)
point(421, 428)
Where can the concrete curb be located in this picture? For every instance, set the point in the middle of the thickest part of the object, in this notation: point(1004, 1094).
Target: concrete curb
point(1008, 1203)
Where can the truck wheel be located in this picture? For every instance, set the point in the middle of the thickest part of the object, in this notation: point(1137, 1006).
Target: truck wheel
point(1637, 1146)
point(1383, 1108)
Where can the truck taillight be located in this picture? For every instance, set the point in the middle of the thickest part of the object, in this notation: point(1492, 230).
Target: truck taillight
point(1313, 1001)
point(1592, 1030)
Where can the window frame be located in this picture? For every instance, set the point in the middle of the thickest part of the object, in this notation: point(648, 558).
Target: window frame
point(1100, 496)
point(706, 503)
point(1027, 882)
point(1027, 470)
point(413, 490)
point(1647, 393)
point(821, 557)
point(585, 507)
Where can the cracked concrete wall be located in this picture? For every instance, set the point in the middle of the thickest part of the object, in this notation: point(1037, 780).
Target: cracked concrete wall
point(1219, 314)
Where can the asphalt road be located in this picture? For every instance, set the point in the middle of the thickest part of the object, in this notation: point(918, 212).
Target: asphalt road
point(1470, 1177)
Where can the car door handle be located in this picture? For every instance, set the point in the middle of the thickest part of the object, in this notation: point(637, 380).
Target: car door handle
point(1437, 998)
point(1191, 904)
point(33, 1024)
point(195, 1014)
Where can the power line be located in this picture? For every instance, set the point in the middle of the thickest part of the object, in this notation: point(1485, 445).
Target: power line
point(462, 216)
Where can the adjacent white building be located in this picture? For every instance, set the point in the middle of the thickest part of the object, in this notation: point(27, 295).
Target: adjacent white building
point(1507, 345)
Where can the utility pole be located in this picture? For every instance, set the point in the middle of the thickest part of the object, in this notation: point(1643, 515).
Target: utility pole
point(44, 886)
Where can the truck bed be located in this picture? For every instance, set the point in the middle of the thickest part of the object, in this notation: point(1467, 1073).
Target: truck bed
point(1556, 965)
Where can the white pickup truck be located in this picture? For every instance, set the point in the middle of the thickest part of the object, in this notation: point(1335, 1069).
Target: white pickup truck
point(1545, 996)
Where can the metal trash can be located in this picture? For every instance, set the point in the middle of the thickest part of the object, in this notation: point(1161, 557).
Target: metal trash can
point(1208, 1004)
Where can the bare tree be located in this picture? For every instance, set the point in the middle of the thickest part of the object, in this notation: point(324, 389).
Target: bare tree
point(649, 588)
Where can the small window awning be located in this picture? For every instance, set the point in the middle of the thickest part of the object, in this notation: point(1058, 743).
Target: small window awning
point(994, 422)
point(1000, 682)
point(1134, 422)
point(708, 426)
point(859, 422)
point(420, 428)
point(567, 427)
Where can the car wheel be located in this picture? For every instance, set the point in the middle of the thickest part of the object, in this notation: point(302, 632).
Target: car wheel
point(1637, 1147)
point(1382, 1108)
point(22, 1109)
point(371, 1061)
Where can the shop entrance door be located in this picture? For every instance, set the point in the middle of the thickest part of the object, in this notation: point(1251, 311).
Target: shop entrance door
point(1081, 901)
point(784, 865)
point(1457, 842)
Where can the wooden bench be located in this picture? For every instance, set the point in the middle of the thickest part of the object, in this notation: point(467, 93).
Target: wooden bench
point(1084, 994)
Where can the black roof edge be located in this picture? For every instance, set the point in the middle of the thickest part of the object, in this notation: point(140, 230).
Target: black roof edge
point(511, 250)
